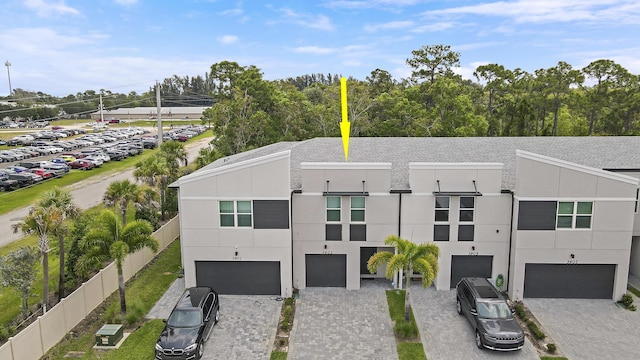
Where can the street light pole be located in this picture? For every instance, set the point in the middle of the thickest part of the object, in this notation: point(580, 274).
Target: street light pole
point(7, 64)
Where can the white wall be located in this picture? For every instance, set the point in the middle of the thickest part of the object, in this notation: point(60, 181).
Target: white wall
point(202, 238)
point(539, 178)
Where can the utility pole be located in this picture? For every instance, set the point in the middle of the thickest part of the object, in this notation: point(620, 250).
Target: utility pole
point(159, 111)
point(101, 118)
point(8, 64)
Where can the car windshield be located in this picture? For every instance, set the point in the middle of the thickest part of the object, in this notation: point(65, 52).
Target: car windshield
point(185, 318)
point(493, 310)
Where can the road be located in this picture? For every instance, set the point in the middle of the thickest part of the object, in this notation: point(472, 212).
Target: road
point(86, 194)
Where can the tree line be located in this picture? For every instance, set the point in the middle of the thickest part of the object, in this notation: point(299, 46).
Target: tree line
point(602, 98)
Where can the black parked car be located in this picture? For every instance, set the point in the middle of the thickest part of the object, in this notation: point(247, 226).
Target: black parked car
point(490, 316)
point(189, 325)
point(22, 179)
point(8, 185)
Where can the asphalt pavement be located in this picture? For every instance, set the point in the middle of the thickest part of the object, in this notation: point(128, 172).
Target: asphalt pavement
point(86, 194)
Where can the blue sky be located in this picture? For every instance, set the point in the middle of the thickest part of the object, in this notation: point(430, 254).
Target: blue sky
point(61, 47)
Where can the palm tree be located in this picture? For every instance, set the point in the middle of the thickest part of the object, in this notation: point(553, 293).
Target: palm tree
point(206, 156)
point(120, 193)
point(153, 171)
point(111, 240)
point(41, 222)
point(411, 257)
point(174, 153)
point(62, 200)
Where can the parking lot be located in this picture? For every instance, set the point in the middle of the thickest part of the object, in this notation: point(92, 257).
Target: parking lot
point(447, 335)
point(589, 329)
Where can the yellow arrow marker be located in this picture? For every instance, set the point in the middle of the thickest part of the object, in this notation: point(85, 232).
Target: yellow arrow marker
point(345, 125)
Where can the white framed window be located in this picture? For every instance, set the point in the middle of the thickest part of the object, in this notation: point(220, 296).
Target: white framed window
point(236, 213)
point(358, 209)
point(442, 209)
point(574, 215)
point(334, 208)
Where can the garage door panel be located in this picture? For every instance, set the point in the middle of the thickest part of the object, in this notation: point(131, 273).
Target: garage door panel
point(577, 281)
point(240, 277)
point(326, 270)
point(470, 266)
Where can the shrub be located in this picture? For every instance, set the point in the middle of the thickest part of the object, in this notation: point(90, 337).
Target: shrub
point(551, 348)
point(535, 330)
point(627, 300)
point(5, 334)
point(406, 329)
point(286, 320)
point(520, 311)
point(135, 313)
point(288, 301)
point(632, 307)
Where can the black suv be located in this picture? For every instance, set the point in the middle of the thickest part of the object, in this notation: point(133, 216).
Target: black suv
point(189, 325)
point(489, 315)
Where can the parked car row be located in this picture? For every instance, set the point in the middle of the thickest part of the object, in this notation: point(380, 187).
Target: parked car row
point(83, 154)
point(183, 133)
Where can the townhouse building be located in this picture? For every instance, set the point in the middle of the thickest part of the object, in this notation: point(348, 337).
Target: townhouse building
point(552, 216)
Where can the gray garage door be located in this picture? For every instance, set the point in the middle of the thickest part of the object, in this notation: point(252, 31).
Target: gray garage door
point(326, 270)
point(240, 277)
point(581, 281)
point(470, 266)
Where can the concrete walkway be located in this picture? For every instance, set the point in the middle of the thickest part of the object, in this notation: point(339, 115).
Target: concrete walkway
point(335, 323)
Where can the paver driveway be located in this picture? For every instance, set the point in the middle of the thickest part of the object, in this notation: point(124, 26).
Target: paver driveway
point(247, 326)
point(589, 329)
point(447, 335)
point(335, 323)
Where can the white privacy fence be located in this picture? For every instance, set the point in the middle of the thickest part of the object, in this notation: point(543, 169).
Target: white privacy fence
point(36, 339)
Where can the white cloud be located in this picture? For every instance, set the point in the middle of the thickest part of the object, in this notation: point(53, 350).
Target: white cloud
point(314, 50)
point(228, 39)
point(433, 27)
point(541, 11)
point(354, 4)
point(126, 2)
point(393, 25)
point(45, 9)
point(319, 22)
point(44, 40)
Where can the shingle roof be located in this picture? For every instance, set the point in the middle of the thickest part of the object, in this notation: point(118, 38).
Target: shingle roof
point(620, 152)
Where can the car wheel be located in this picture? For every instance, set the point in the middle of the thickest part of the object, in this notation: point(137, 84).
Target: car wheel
point(478, 340)
point(216, 317)
point(458, 306)
point(200, 350)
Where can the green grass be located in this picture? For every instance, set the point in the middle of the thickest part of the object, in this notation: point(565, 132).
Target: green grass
point(633, 290)
point(141, 343)
point(145, 290)
point(407, 334)
point(278, 355)
point(413, 351)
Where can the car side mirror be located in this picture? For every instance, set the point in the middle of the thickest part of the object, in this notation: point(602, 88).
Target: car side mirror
point(473, 312)
point(513, 311)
